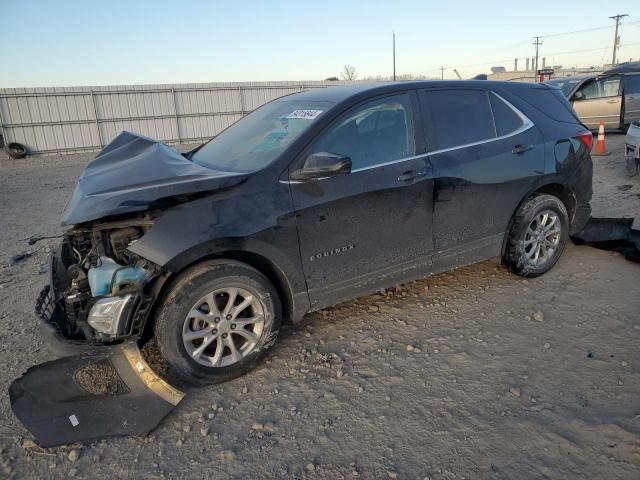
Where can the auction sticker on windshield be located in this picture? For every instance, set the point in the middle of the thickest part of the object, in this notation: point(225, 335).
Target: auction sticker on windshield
point(307, 114)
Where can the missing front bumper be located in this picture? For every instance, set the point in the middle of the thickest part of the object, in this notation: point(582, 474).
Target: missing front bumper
point(50, 316)
point(91, 396)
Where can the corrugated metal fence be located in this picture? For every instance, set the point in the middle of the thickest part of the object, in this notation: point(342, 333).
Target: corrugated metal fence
point(76, 119)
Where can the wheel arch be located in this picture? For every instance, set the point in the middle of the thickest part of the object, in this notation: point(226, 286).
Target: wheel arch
point(556, 189)
point(259, 262)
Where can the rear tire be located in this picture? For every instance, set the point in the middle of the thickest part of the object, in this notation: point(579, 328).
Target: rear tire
point(538, 235)
point(217, 322)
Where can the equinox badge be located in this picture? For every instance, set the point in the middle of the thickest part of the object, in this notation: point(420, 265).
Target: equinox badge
point(333, 251)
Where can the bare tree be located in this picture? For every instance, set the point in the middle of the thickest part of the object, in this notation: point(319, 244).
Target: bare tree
point(349, 73)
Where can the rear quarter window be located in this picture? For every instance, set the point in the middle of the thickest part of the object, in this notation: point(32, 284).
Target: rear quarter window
point(549, 101)
point(507, 121)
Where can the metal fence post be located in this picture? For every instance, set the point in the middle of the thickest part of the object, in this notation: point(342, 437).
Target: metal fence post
point(175, 114)
point(95, 114)
point(5, 140)
point(242, 110)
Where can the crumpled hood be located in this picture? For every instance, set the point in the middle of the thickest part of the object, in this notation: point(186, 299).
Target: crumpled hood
point(132, 172)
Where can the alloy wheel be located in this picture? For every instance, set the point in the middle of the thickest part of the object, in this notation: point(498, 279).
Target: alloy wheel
point(542, 238)
point(223, 327)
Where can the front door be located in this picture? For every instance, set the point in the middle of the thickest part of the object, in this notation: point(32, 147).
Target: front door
point(371, 227)
point(600, 101)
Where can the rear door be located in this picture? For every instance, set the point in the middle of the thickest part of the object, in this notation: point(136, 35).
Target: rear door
point(485, 155)
point(601, 102)
point(372, 227)
point(631, 98)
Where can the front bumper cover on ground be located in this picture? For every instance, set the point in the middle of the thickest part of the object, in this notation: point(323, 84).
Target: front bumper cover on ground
point(90, 396)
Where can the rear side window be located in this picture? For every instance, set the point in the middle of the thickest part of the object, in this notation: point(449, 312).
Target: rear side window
point(507, 121)
point(458, 117)
point(631, 84)
point(549, 101)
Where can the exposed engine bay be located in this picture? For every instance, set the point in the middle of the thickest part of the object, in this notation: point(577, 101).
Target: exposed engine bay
point(99, 291)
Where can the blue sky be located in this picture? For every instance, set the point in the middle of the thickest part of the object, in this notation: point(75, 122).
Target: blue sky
point(71, 42)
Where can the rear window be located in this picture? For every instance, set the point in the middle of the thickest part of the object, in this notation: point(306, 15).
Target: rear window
point(458, 117)
point(549, 101)
point(507, 121)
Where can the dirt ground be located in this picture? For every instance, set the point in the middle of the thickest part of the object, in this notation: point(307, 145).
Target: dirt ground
point(475, 373)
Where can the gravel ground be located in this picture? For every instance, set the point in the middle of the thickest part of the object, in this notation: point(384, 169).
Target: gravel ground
point(474, 373)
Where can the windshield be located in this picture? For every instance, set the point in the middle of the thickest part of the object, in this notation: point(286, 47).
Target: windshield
point(565, 84)
point(256, 140)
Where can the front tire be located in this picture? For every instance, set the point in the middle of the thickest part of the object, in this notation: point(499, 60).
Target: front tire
point(217, 321)
point(538, 235)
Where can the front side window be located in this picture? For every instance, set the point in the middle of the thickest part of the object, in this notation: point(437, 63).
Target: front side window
point(256, 140)
point(458, 117)
point(601, 88)
point(377, 132)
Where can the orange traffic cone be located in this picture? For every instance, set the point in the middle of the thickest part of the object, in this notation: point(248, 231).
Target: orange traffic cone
point(600, 144)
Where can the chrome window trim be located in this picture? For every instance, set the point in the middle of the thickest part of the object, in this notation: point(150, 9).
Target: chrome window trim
point(391, 162)
point(606, 116)
point(526, 125)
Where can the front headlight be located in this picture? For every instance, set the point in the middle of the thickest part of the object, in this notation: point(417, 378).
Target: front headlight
point(108, 315)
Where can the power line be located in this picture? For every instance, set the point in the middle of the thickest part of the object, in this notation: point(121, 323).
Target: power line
point(494, 62)
point(584, 30)
point(538, 42)
point(593, 49)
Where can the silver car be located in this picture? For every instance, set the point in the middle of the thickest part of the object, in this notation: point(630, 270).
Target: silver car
point(612, 97)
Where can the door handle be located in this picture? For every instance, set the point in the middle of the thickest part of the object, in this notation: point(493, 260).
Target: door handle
point(407, 176)
point(520, 149)
point(613, 101)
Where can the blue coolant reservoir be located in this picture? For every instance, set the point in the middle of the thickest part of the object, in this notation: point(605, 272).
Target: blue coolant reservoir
point(101, 278)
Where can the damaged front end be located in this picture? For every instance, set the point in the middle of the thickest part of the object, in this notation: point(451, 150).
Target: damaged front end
point(99, 292)
point(96, 305)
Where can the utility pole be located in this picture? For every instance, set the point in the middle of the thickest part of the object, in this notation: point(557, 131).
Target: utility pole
point(537, 42)
point(441, 73)
point(616, 39)
point(394, 56)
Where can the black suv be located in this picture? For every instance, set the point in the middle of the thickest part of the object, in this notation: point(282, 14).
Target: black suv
point(310, 200)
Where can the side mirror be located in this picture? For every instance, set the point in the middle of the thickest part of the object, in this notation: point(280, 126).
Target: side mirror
point(578, 96)
point(322, 165)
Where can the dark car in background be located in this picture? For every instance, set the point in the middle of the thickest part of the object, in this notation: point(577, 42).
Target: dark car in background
point(310, 200)
point(612, 97)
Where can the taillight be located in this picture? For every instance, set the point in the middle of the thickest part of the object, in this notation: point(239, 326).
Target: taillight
point(586, 138)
